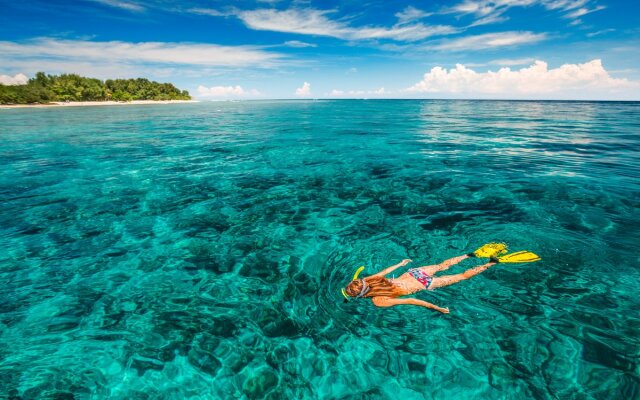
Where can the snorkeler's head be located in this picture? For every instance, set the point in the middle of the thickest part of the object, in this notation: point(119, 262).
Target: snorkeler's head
point(372, 287)
point(356, 287)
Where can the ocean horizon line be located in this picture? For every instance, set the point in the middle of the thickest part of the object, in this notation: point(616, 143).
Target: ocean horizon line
point(59, 105)
point(416, 99)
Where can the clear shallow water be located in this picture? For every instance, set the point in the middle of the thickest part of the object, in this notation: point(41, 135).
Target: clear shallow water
point(197, 251)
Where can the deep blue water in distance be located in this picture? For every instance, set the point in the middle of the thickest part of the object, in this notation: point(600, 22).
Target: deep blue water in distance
point(197, 251)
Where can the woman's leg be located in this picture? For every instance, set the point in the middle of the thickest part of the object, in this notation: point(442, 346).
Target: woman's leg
point(432, 269)
point(446, 280)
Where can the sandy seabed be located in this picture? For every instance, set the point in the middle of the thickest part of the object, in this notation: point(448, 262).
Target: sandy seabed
point(96, 103)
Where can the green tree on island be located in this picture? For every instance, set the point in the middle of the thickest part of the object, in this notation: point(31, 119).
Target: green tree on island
point(45, 88)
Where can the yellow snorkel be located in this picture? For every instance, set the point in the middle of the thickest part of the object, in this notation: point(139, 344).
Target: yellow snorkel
point(355, 276)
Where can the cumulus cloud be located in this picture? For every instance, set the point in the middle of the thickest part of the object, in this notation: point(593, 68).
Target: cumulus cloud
point(490, 40)
point(137, 53)
point(571, 81)
point(18, 79)
point(310, 21)
point(226, 91)
point(305, 90)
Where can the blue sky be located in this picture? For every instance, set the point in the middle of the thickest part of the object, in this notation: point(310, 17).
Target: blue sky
point(529, 49)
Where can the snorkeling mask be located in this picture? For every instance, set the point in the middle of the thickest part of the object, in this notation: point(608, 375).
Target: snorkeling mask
point(365, 288)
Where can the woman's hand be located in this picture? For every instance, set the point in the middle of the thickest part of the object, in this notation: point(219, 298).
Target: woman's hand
point(405, 261)
point(443, 310)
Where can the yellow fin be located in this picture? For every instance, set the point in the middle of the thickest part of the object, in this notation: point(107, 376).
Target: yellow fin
point(519, 257)
point(491, 250)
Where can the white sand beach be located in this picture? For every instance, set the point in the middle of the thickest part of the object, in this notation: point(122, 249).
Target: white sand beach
point(97, 103)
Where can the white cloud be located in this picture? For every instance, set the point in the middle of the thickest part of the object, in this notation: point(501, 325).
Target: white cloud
point(206, 11)
point(487, 7)
point(114, 52)
point(305, 90)
point(125, 5)
point(570, 81)
point(489, 19)
point(226, 91)
point(583, 11)
point(316, 22)
point(564, 5)
point(299, 44)
point(95, 70)
point(602, 32)
point(491, 11)
point(488, 11)
point(18, 79)
point(357, 93)
point(410, 14)
point(490, 40)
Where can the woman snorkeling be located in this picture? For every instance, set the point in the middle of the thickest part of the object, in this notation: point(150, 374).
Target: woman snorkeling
point(385, 292)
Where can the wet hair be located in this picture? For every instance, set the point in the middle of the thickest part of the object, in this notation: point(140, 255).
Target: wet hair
point(378, 286)
point(354, 288)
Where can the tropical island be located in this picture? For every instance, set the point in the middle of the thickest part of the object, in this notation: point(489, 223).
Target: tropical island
point(47, 89)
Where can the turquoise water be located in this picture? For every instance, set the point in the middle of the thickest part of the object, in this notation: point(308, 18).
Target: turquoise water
point(197, 251)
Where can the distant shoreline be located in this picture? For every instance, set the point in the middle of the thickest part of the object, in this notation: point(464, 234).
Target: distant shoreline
point(61, 104)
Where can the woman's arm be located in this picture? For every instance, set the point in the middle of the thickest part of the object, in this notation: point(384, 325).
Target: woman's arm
point(392, 268)
point(390, 301)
